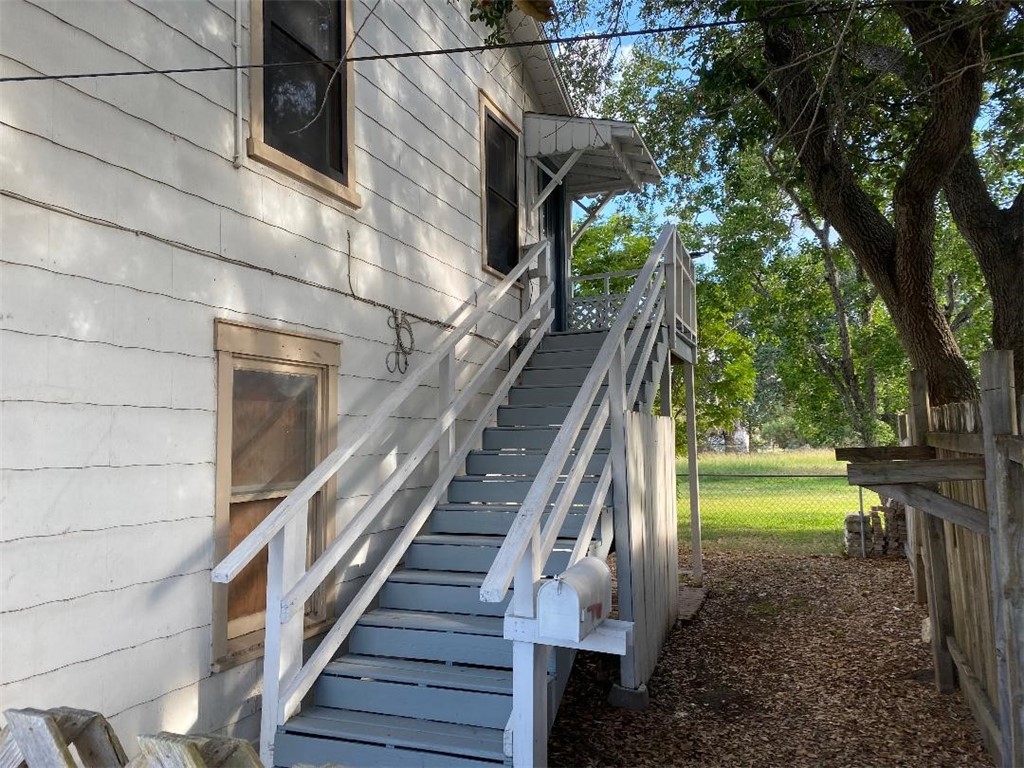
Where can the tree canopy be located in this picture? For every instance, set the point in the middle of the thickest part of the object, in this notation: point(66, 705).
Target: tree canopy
point(855, 167)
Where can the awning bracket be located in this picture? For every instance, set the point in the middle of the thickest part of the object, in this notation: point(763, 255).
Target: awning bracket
point(592, 213)
point(556, 180)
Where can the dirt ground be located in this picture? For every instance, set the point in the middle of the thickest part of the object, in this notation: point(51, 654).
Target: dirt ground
point(792, 661)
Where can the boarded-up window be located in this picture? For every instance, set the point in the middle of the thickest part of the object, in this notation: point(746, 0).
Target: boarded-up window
point(277, 413)
point(501, 183)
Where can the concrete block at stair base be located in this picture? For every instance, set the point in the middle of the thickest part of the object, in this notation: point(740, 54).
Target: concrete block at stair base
point(926, 630)
point(629, 698)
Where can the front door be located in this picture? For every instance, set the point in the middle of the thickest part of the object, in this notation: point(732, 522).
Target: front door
point(553, 225)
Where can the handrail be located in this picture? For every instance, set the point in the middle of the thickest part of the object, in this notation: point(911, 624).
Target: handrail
point(551, 528)
point(526, 525)
point(306, 676)
point(260, 536)
point(355, 528)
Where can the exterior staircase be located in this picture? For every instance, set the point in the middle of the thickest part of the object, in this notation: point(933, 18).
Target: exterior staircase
point(426, 679)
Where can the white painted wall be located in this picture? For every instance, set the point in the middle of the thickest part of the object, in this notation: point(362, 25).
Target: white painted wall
point(124, 232)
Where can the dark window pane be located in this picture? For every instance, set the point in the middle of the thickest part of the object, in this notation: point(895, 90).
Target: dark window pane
point(502, 231)
point(502, 184)
point(501, 160)
point(303, 107)
point(313, 23)
point(273, 429)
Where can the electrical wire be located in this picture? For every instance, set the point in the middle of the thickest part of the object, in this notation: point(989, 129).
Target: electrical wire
point(596, 36)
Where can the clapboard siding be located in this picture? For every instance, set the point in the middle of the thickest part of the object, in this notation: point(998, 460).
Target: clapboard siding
point(157, 98)
point(227, 702)
point(109, 384)
point(213, 32)
point(84, 435)
point(127, 28)
point(57, 502)
point(61, 370)
point(82, 563)
point(56, 634)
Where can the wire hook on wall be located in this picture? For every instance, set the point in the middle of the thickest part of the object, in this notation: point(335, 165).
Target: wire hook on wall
point(405, 343)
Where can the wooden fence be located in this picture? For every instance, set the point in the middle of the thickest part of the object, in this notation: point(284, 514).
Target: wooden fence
point(647, 544)
point(962, 477)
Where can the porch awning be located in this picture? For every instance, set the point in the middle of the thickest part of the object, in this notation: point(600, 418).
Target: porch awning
point(590, 156)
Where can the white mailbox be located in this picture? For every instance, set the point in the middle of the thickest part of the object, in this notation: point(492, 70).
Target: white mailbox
point(572, 605)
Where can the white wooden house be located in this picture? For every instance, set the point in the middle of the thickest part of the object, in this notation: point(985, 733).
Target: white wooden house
point(215, 280)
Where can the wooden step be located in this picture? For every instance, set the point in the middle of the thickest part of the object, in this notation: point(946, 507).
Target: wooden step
point(485, 489)
point(426, 691)
point(493, 519)
point(427, 636)
point(538, 415)
point(513, 462)
point(403, 594)
point(547, 394)
point(335, 737)
point(558, 358)
point(472, 554)
point(531, 438)
point(573, 339)
point(564, 376)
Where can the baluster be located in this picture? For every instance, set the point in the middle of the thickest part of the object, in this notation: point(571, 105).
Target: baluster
point(282, 653)
point(529, 669)
point(445, 397)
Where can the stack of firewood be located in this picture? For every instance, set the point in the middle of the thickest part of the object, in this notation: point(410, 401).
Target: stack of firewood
point(877, 534)
point(895, 527)
point(865, 535)
point(856, 525)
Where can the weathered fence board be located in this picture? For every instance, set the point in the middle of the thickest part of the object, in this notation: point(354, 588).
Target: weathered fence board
point(975, 574)
point(649, 549)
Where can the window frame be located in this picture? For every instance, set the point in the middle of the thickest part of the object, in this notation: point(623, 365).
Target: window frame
point(255, 348)
point(489, 109)
point(256, 145)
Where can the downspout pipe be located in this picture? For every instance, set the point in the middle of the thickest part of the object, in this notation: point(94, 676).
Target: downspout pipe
point(239, 139)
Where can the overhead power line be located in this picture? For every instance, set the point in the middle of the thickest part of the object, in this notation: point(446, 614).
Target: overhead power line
point(596, 36)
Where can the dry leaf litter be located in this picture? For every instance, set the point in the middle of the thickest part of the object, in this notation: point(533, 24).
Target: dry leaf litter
point(792, 661)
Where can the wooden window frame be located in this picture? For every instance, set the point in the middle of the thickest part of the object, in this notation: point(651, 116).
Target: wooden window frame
point(259, 150)
point(251, 347)
point(489, 108)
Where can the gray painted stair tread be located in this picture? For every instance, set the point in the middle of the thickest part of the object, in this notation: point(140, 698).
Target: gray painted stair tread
point(422, 673)
point(435, 622)
point(408, 732)
point(309, 749)
point(441, 578)
point(479, 541)
point(487, 506)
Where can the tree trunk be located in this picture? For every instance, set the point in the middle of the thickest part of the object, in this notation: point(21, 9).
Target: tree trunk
point(897, 256)
point(996, 236)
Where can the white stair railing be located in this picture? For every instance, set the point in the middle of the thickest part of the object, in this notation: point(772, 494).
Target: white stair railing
point(283, 532)
point(528, 545)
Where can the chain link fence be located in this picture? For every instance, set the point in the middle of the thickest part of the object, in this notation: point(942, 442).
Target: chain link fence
point(773, 511)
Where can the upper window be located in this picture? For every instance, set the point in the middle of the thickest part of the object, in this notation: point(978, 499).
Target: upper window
point(301, 117)
point(501, 190)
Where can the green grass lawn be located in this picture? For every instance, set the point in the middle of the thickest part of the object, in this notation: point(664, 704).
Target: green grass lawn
point(770, 514)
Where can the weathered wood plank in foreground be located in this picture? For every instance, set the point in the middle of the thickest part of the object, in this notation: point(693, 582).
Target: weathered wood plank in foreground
point(886, 453)
point(961, 442)
point(930, 471)
point(936, 504)
point(977, 700)
point(1013, 447)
